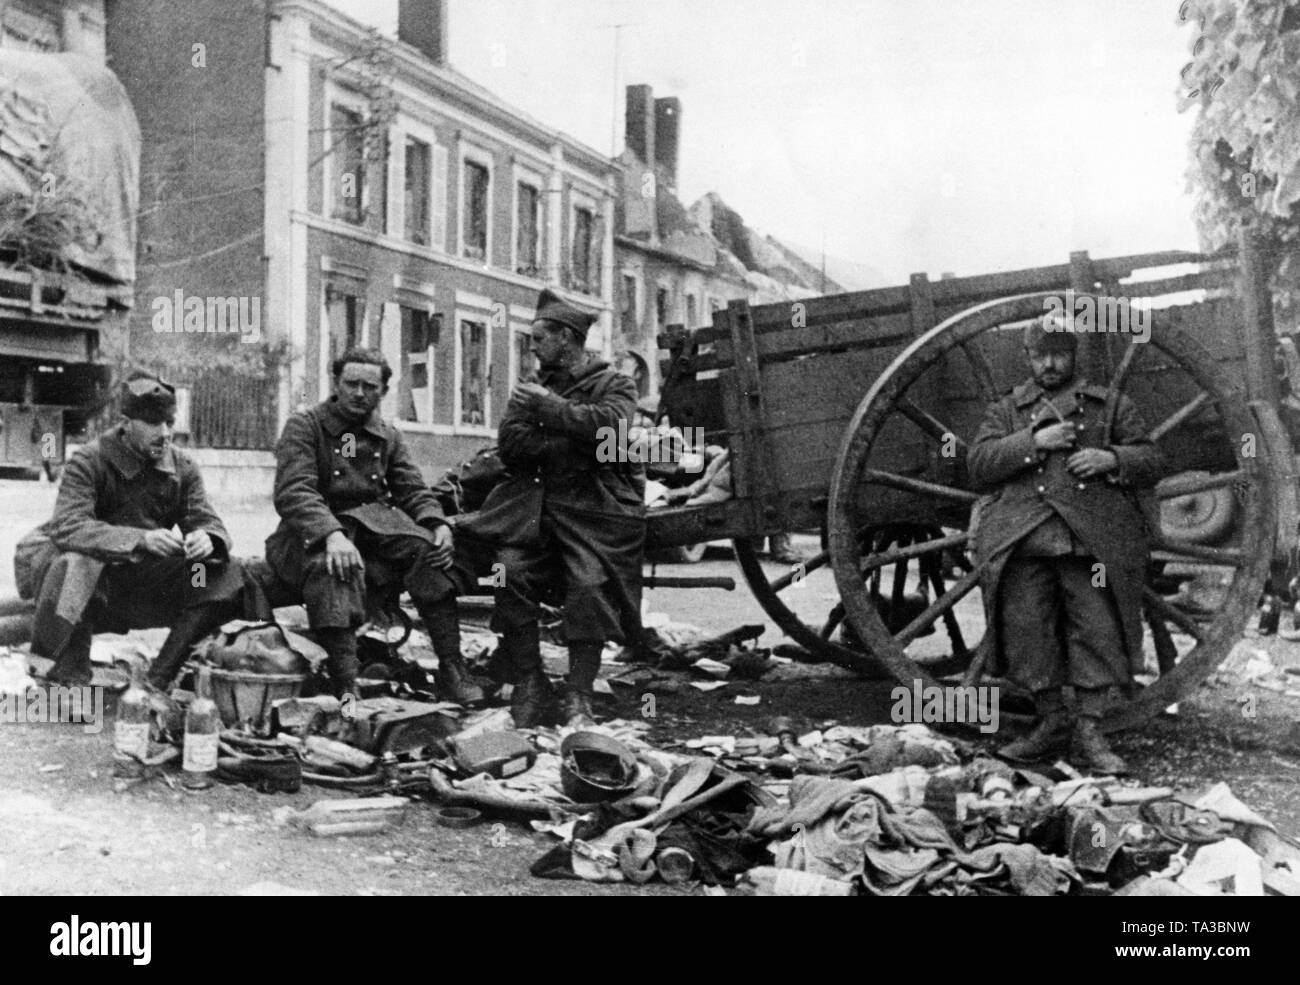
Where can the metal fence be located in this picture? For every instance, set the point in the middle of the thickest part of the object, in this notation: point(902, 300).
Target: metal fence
point(231, 408)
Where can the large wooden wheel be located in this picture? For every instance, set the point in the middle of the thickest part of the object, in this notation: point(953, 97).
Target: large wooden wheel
point(896, 547)
point(902, 459)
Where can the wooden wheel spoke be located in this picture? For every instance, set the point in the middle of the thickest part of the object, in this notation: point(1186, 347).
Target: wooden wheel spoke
point(833, 619)
point(935, 576)
point(1182, 414)
point(1166, 651)
point(812, 564)
point(959, 590)
point(908, 484)
point(928, 423)
point(1117, 386)
point(983, 372)
point(1171, 613)
point(1186, 485)
point(1226, 556)
point(914, 550)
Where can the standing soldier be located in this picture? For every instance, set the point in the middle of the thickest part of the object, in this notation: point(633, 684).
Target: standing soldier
point(571, 526)
point(112, 559)
point(1067, 540)
point(354, 509)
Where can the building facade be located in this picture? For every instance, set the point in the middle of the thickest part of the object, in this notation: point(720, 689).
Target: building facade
point(361, 191)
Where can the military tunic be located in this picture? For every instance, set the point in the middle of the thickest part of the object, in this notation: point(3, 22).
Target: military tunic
point(87, 567)
point(571, 528)
point(331, 475)
point(1067, 555)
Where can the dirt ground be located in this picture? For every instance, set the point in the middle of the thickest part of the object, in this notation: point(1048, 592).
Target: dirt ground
point(66, 825)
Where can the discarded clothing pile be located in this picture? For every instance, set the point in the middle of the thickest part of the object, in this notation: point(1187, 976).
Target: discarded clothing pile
point(847, 831)
point(893, 810)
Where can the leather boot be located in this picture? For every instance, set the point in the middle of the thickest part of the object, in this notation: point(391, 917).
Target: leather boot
point(340, 646)
point(442, 622)
point(189, 628)
point(456, 684)
point(584, 665)
point(1049, 738)
point(72, 664)
point(532, 700)
point(1090, 751)
point(577, 713)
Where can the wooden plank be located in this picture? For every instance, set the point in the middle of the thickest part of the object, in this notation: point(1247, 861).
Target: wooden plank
point(1257, 308)
point(960, 291)
point(676, 526)
point(750, 461)
point(1205, 280)
point(825, 387)
point(922, 304)
point(790, 341)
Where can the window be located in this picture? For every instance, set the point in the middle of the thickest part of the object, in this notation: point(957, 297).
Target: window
point(525, 364)
point(474, 220)
point(580, 262)
point(346, 321)
point(628, 307)
point(692, 312)
point(528, 230)
point(347, 149)
point(29, 28)
point(421, 332)
point(661, 307)
point(475, 376)
point(418, 185)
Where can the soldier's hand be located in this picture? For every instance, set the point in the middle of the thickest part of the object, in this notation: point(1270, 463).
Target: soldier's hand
point(342, 559)
point(198, 545)
point(443, 547)
point(1088, 462)
point(1055, 437)
point(162, 543)
point(528, 396)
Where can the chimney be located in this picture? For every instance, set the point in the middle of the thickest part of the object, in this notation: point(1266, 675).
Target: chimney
point(639, 127)
point(423, 25)
point(668, 121)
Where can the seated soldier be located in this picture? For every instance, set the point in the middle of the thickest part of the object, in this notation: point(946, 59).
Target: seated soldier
point(354, 508)
point(111, 558)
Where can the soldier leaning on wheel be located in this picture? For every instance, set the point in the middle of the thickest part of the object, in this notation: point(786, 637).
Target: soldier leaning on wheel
point(1067, 543)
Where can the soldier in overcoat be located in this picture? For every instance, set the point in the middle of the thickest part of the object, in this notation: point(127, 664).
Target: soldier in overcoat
point(1067, 538)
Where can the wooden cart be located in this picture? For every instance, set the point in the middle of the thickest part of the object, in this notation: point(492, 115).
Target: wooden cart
point(851, 414)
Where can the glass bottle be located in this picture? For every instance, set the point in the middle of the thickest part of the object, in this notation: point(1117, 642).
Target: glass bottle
point(202, 731)
point(134, 716)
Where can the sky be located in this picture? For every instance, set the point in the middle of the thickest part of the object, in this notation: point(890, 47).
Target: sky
point(906, 135)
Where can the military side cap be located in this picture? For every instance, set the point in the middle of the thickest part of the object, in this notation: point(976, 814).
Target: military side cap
point(147, 398)
point(551, 307)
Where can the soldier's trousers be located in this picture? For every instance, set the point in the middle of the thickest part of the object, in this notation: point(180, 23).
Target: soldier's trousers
point(151, 592)
point(1056, 628)
point(393, 561)
point(597, 585)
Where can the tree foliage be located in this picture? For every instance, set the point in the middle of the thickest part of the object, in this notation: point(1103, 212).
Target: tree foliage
point(1244, 74)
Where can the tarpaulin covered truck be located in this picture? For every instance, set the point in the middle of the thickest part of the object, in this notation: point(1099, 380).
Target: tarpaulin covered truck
point(69, 193)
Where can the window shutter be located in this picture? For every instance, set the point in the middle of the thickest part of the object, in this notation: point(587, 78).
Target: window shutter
point(595, 275)
point(439, 208)
point(390, 344)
